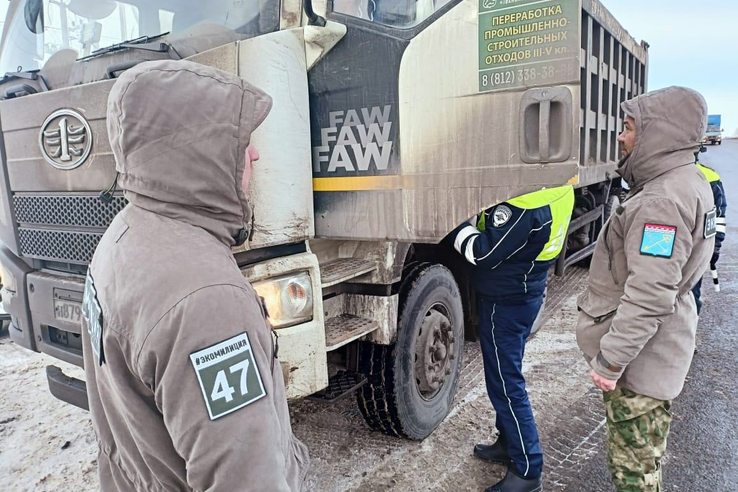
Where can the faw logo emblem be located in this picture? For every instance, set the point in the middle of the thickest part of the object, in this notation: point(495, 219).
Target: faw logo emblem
point(66, 139)
point(355, 141)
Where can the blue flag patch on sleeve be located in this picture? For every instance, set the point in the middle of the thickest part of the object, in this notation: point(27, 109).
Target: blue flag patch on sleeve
point(658, 240)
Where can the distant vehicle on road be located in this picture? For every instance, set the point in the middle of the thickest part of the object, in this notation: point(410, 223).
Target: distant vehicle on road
point(714, 133)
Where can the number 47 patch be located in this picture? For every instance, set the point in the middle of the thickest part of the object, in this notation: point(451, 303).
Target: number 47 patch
point(228, 375)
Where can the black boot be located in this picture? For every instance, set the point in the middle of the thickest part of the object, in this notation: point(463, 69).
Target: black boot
point(494, 453)
point(513, 483)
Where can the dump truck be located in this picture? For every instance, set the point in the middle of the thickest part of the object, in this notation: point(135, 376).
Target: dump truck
point(714, 132)
point(393, 121)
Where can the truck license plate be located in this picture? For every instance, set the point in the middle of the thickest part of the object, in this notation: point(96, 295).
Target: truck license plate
point(68, 311)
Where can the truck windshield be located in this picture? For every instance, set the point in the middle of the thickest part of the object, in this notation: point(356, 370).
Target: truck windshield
point(402, 14)
point(33, 30)
point(713, 123)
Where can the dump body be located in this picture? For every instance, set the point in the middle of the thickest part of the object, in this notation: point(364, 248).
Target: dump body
point(613, 68)
point(457, 119)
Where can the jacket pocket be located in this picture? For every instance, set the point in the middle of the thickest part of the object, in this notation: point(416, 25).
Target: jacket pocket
point(611, 263)
point(595, 317)
point(603, 317)
point(596, 306)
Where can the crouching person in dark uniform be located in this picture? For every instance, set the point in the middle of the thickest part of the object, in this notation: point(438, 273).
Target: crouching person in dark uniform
point(721, 205)
point(511, 247)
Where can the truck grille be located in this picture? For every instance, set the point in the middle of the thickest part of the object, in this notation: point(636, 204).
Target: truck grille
point(84, 211)
point(63, 228)
point(72, 247)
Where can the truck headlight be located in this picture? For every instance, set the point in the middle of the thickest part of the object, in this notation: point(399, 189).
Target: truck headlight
point(289, 299)
point(7, 279)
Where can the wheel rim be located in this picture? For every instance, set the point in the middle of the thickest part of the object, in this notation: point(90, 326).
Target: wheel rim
point(434, 351)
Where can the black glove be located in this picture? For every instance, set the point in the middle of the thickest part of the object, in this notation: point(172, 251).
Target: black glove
point(714, 260)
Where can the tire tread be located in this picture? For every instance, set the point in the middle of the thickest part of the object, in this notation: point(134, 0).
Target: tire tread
point(377, 362)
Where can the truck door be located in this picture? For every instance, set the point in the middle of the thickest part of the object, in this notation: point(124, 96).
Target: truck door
point(427, 112)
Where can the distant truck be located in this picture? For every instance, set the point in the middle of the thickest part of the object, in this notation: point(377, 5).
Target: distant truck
point(714, 133)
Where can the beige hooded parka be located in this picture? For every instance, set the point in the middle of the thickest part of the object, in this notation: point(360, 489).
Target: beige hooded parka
point(184, 387)
point(638, 315)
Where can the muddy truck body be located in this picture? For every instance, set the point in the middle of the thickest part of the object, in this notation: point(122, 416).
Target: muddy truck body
point(393, 122)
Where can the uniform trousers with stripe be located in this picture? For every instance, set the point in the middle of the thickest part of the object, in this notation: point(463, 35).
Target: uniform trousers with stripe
point(504, 328)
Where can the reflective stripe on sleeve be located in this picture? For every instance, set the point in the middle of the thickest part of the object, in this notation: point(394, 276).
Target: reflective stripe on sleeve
point(463, 235)
point(469, 252)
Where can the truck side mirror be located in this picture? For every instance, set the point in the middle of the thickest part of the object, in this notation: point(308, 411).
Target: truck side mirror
point(34, 16)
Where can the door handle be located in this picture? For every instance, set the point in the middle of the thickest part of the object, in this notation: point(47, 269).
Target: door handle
point(546, 125)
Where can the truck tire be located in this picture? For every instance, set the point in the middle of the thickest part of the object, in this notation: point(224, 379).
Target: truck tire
point(411, 384)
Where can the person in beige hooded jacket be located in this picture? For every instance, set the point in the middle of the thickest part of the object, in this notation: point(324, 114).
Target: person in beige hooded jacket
point(184, 387)
point(638, 317)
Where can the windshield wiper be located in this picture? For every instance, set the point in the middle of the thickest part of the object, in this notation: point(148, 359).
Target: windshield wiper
point(146, 43)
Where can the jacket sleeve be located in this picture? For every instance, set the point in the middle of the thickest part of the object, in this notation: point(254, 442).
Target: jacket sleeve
point(488, 249)
point(651, 288)
point(721, 206)
point(241, 450)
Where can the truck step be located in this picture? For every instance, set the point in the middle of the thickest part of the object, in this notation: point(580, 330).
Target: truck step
point(341, 384)
point(346, 328)
point(337, 271)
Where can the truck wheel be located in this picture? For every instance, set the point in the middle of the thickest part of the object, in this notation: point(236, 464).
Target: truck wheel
point(411, 384)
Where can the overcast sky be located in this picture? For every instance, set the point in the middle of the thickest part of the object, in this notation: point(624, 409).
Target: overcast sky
point(694, 44)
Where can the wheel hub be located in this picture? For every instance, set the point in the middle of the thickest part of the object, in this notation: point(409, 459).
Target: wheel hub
point(433, 352)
